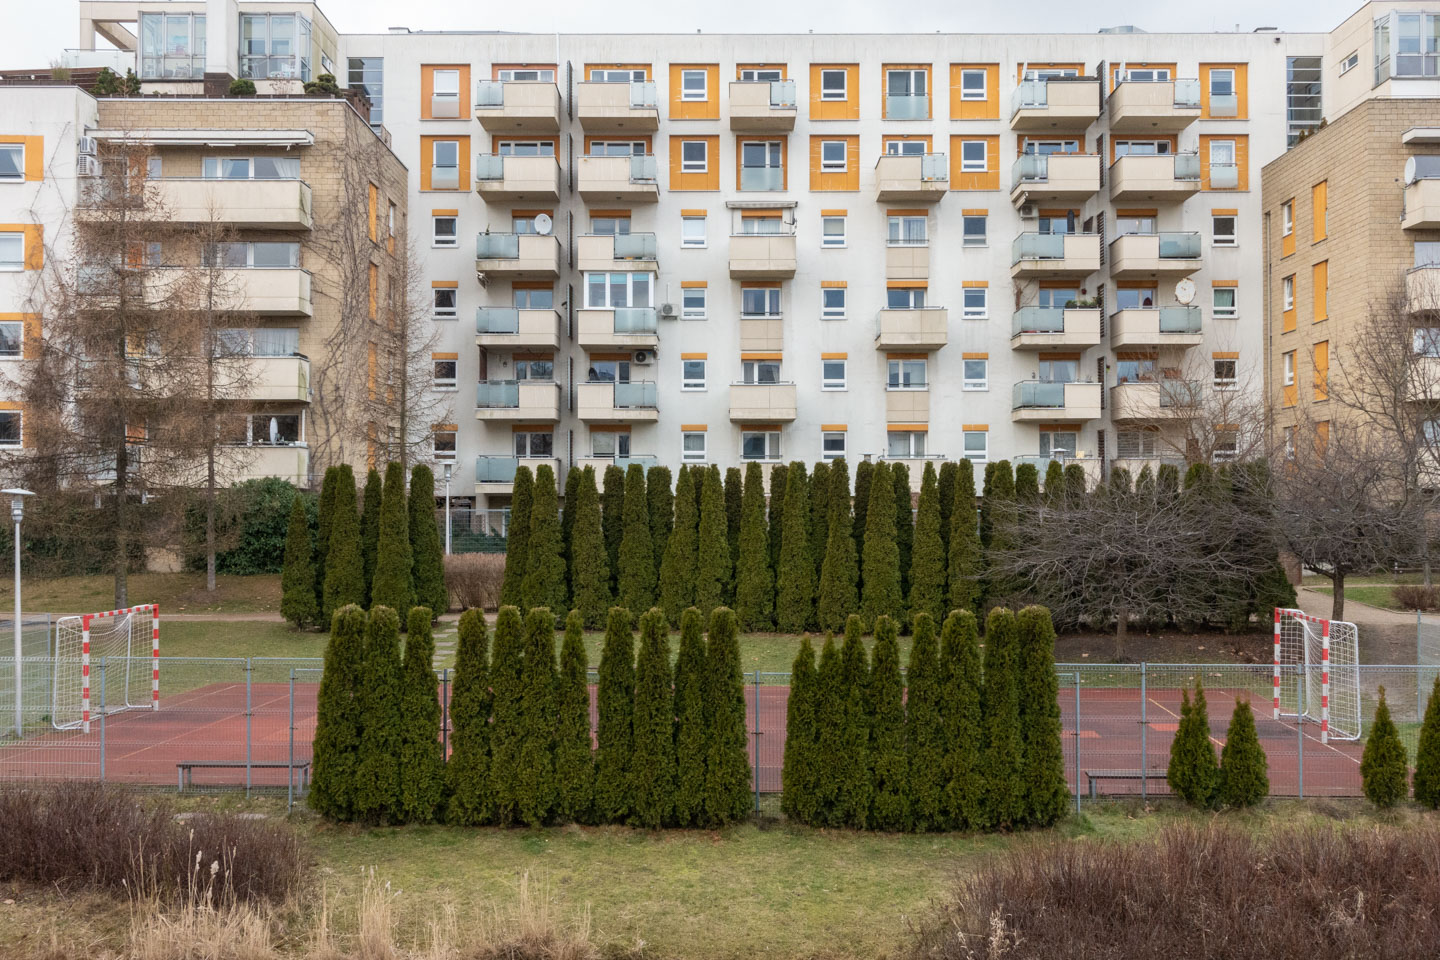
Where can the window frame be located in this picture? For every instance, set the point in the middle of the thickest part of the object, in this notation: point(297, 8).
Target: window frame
point(827, 310)
point(690, 384)
point(913, 450)
point(971, 384)
point(1287, 218)
point(968, 165)
point(18, 339)
point(770, 294)
point(773, 450)
point(830, 166)
point(630, 283)
point(19, 176)
point(685, 311)
point(984, 75)
point(826, 93)
point(1287, 371)
point(895, 371)
point(690, 166)
point(828, 383)
point(529, 452)
point(686, 456)
point(967, 312)
point(19, 418)
point(1218, 312)
point(439, 313)
point(1217, 72)
point(437, 242)
point(1231, 382)
point(968, 239)
point(1216, 236)
point(17, 265)
point(750, 372)
point(825, 238)
point(825, 437)
point(1287, 293)
point(965, 445)
point(686, 74)
point(445, 384)
point(689, 242)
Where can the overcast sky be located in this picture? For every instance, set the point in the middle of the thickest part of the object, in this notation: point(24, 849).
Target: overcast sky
point(36, 31)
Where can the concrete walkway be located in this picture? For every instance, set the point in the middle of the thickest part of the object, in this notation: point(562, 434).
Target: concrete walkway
point(1318, 604)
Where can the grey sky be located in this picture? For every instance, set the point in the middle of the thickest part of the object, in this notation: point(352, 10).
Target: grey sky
point(36, 32)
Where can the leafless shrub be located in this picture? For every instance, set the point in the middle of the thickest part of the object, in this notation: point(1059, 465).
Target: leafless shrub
point(474, 579)
point(1416, 596)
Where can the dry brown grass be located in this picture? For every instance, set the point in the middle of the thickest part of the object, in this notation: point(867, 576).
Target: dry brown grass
point(474, 579)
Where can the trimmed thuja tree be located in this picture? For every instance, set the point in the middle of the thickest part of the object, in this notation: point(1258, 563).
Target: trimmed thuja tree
point(339, 717)
point(677, 570)
point(535, 780)
point(1043, 763)
point(927, 559)
point(506, 731)
point(754, 583)
point(864, 476)
point(965, 560)
point(727, 762)
point(652, 769)
point(614, 733)
point(590, 566)
point(517, 537)
point(712, 551)
point(851, 763)
point(1427, 753)
point(637, 555)
point(422, 767)
point(1054, 483)
point(795, 576)
point(370, 527)
point(1000, 706)
point(1383, 764)
point(776, 517)
point(544, 584)
point(880, 594)
point(393, 563)
point(662, 512)
point(890, 787)
point(690, 729)
point(904, 529)
point(574, 762)
point(801, 768)
point(467, 774)
point(1243, 779)
point(949, 473)
point(426, 548)
point(734, 497)
point(817, 525)
point(297, 576)
point(824, 784)
point(612, 514)
point(344, 567)
point(377, 769)
point(962, 719)
point(324, 512)
point(567, 526)
point(924, 729)
point(838, 595)
point(1193, 773)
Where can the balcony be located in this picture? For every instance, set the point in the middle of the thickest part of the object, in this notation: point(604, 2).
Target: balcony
point(286, 461)
point(1071, 256)
point(509, 328)
point(275, 378)
point(1164, 107)
point(1167, 178)
point(765, 106)
point(1422, 289)
point(762, 256)
point(1424, 381)
point(1044, 328)
point(927, 328)
point(909, 106)
point(617, 107)
point(1066, 104)
point(511, 106)
point(1090, 465)
point(922, 179)
point(1224, 176)
point(242, 204)
point(499, 177)
point(1138, 256)
point(623, 179)
point(601, 464)
point(907, 261)
point(1422, 202)
point(1150, 400)
point(616, 253)
point(1048, 401)
point(628, 327)
point(1065, 177)
point(762, 334)
point(610, 402)
point(762, 179)
point(267, 292)
point(762, 402)
point(497, 474)
point(907, 406)
point(533, 401)
point(517, 256)
point(1150, 327)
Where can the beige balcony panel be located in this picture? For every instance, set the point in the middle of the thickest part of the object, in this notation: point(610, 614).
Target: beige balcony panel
point(1068, 177)
point(901, 179)
point(1422, 206)
point(1137, 107)
point(762, 257)
point(595, 403)
point(272, 378)
point(1142, 328)
point(271, 293)
point(1137, 256)
point(596, 328)
point(762, 402)
point(907, 406)
point(525, 178)
point(606, 179)
point(537, 329)
point(1071, 106)
point(1422, 289)
point(766, 336)
point(527, 107)
point(539, 259)
point(508, 486)
point(1080, 257)
point(248, 204)
point(907, 263)
point(596, 252)
point(1425, 385)
point(750, 109)
point(256, 463)
point(1137, 177)
point(1080, 327)
point(1081, 401)
point(1152, 400)
point(927, 329)
point(539, 402)
point(602, 107)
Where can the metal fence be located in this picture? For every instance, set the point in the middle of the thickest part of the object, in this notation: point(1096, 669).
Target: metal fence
point(248, 724)
point(475, 531)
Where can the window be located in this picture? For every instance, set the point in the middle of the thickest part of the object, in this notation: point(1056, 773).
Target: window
point(973, 229)
point(692, 303)
point(692, 231)
point(973, 155)
point(1319, 211)
point(833, 156)
point(1426, 341)
point(445, 375)
point(172, 46)
point(12, 337)
point(906, 375)
point(692, 447)
point(445, 94)
point(694, 156)
point(694, 85)
point(760, 371)
point(1287, 218)
point(977, 445)
point(390, 227)
point(608, 371)
point(1129, 225)
point(542, 369)
point(1288, 379)
point(12, 251)
point(975, 303)
point(833, 374)
point(445, 303)
point(692, 374)
point(243, 168)
point(525, 148)
point(367, 74)
point(832, 303)
point(905, 298)
point(1058, 371)
point(1223, 303)
point(1053, 225)
point(1046, 148)
point(1225, 374)
point(905, 444)
point(905, 148)
point(531, 75)
point(1138, 370)
point(762, 225)
point(1287, 295)
point(610, 226)
point(618, 290)
point(1222, 82)
point(535, 445)
point(1427, 253)
point(10, 428)
point(907, 232)
point(972, 85)
point(12, 162)
point(760, 445)
point(1303, 109)
point(1349, 63)
point(258, 255)
point(274, 46)
point(976, 375)
point(1138, 148)
point(1290, 442)
point(445, 165)
point(762, 165)
point(609, 444)
point(444, 231)
point(905, 83)
point(600, 75)
point(1135, 444)
point(832, 231)
point(1061, 297)
point(532, 298)
point(1059, 444)
point(1227, 445)
point(1222, 229)
point(754, 75)
point(759, 301)
point(833, 84)
point(832, 444)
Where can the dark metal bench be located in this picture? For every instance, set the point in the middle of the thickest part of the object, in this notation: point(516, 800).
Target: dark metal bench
point(1154, 773)
point(183, 771)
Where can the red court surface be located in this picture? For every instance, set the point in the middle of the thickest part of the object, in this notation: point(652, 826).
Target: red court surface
point(210, 725)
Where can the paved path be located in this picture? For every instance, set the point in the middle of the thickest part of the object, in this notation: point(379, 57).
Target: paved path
point(1318, 604)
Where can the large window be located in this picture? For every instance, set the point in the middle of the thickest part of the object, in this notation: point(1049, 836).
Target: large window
point(601, 75)
point(905, 298)
point(12, 162)
point(445, 165)
point(907, 232)
point(760, 445)
point(172, 46)
point(609, 444)
point(1059, 444)
point(274, 46)
point(762, 165)
point(535, 445)
point(906, 375)
point(269, 255)
point(368, 74)
point(905, 444)
point(760, 301)
point(604, 290)
point(445, 94)
point(1407, 45)
point(258, 342)
point(760, 371)
point(250, 168)
point(1302, 96)
point(532, 298)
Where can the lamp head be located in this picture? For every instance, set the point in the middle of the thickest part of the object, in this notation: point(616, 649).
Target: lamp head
point(17, 502)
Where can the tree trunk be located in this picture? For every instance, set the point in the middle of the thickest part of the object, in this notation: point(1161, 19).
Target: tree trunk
point(122, 524)
point(1337, 604)
point(210, 520)
point(1122, 630)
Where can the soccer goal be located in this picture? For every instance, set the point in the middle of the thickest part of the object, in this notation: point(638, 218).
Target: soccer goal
point(132, 666)
point(1317, 673)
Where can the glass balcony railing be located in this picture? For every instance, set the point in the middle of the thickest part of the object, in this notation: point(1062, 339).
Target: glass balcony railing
point(1224, 176)
point(1187, 93)
point(497, 246)
point(1038, 246)
point(497, 393)
point(643, 168)
point(497, 320)
point(496, 469)
point(1187, 166)
point(490, 166)
point(1227, 105)
point(642, 461)
point(1179, 246)
point(635, 320)
point(934, 166)
point(1037, 320)
point(444, 178)
point(1030, 166)
point(633, 394)
point(1179, 393)
point(782, 94)
point(1180, 319)
point(635, 246)
point(1041, 394)
point(912, 107)
point(490, 93)
point(1042, 463)
point(762, 178)
point(1029, 95)
point(643, 95)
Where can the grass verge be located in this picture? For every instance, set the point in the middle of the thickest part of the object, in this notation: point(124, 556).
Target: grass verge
point(175, 592)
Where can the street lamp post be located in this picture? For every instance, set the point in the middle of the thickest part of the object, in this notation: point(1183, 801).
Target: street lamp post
point(17, 513)
point(448, 468)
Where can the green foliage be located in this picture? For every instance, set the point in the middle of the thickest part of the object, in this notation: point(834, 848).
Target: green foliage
point(323, 514)
point(393, 586)
point(339, 717)
point(890, 782)
point(370, 528)
point(1383, 764)
point(864, 476)
point(712, 552)
point(251, 519)
point(961, 714)
point(1427, 753)
point(1119, 483)
point(802, 768)
point(880, 594)
point(426, 549)
point(422, 767)
point(795, 575)
point(344, 567)
point(1000, 707)
point(997, 520)
point(1027, 483)
point(904, 528)
point(612, 517)
point(297, 579)
point(590, 573)
point(851, 763)
point(778, 478)
point(507, 729)
point(818, 520)
point(1167, 478)
point(924, 730)
point(1043, 762)
point(830, 705)
point(534, 787)
point(1074, 482)
point(569, 495)
point(949, 473)
point(323, 85)
point(1193, 774)
point(377, 767)
point(677, 571)
point(662, 512)
point(130, 85)
point(839, 593)
point(652, 770)
point(467, 773)
point(1054, 483)
point(754, 582)
point(691, 736)
point(927, 559)
point(1243, 781)
point(637, 554)
point(517, 537)
point(734, 497)
point(107, 83)
point(727, 763)
point(242, 88)
point(615, 741)
point(574, 761)
point(966, 559)
point(544, 583)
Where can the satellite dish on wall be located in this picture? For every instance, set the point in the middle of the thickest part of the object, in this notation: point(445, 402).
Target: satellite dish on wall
point(542, 224)
point(1185, 291)
point(1409, 171)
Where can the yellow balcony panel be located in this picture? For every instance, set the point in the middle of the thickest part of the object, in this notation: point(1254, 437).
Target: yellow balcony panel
point(497, 474)
point(764, 106)
point(1064, 105)
point(1140, 256)
point(927, 328)
point(762, 402)
point(1045, 328)
point(1422, 289)
point(618, 179)
point(522, 256)
point(1176, 326)
point(762, 256)
point(1056, 256)
point(623, 253)
point(617, 107)
point(1059, 177)
point(1043, 401)
point(509, 178)
point(907, 261)
point(1422, 205)
point(511, 328)
point(907, 406)
point(511, 106)
point(532, 401)
point(1164, 107)
point(762, 334)
point(630, 328)
point(1154, 400)
point(609, 402)
point(917, 178)
point(1162, 178)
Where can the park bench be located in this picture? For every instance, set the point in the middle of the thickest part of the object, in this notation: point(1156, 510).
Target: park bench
point(185, 769)
point(1154, 773)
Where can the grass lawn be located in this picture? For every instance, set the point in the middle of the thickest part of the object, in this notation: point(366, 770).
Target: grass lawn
point(1370, 595)
point(1316, 581)
point(175, 592)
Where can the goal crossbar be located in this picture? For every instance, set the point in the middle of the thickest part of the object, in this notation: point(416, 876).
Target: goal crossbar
point(87, 623)
point(1316, 672)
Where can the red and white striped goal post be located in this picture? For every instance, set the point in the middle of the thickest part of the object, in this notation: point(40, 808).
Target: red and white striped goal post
point(85, 622)
point(1324, 625)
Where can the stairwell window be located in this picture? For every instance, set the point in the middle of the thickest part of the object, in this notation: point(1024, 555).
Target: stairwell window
point(977, 445)
point(833, 156)
point(832, 231)
point(12, 336)
point(693, 303)
point(832, 444)
point(975, 304)
point(692, 447)
point(833, 85)
point(692, 375)
point(692, 231)
point(445, 374)
point(973, 228)
point(444, 445)
point(832, 303)
point(1222, 230)
point(833, 374)
point(694, 156)
point(444, 231)
point(12, 251)
point(977, 375)
point(973, 156)
point(10, 428)
point(973, 85)
point(444, 303)
point(1225, 374)
point(1223, 303)
point(694, 85)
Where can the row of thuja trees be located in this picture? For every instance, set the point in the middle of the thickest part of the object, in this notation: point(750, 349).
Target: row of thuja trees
point(384, 550)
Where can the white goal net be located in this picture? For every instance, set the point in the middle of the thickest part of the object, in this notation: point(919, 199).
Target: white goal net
point(105, 662)
point(1317, 673)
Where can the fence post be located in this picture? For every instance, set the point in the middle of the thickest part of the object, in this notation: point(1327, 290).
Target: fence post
point(755, 773)
point(445, 715)
point(248, 738)
point(1300, 751)
point(102, 719)
point(1076, 675)
point(1144, 728)
point(290, 764)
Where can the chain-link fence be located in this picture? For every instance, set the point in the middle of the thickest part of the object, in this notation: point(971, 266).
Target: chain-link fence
point(475, 531)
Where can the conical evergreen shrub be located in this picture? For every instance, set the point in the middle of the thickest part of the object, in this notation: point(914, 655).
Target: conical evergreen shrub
point(567, 525)
point(830, 738)
point(927, 559)
point(612, 516)
point(324, 512)
point(422, 767)
point(880, 594)
point(713, 568)
point(344, 567)
point(377, 768)
point(997, 522)
point(1074, 482)
point(615, 703)
point(1027, 483)
point(297, 576)
point(392, 587)
point(652, 769)
point(801, 768)
point(966, 561)
point(1427, 753)
point(1243, 779)
point(589, 569)
point(467, 774)
point(890, 782)
point(904, 528)
point(677, 570)
point(925, 730)
point(574, 761)
point(691, 732)
point(1383, 767)
point(818, 524)
point(535, 793)
point(776, 516)
point(1054, 483)
point(426, 548)
point(507, 732)
point(962, 719)
point(839, 592)
point(949, 473)
point(339, 717)
point(662, 512)
point(727, 762)
point(637, 555)
point(544, 584)
point(1046, 793)
point(1000, 706)
point(370, 528)
point(517, 537)
point(864, 475)
point(852, 769)
point(1193, 773)
point(734, 498)
point(754, 584)
point(795, 575)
